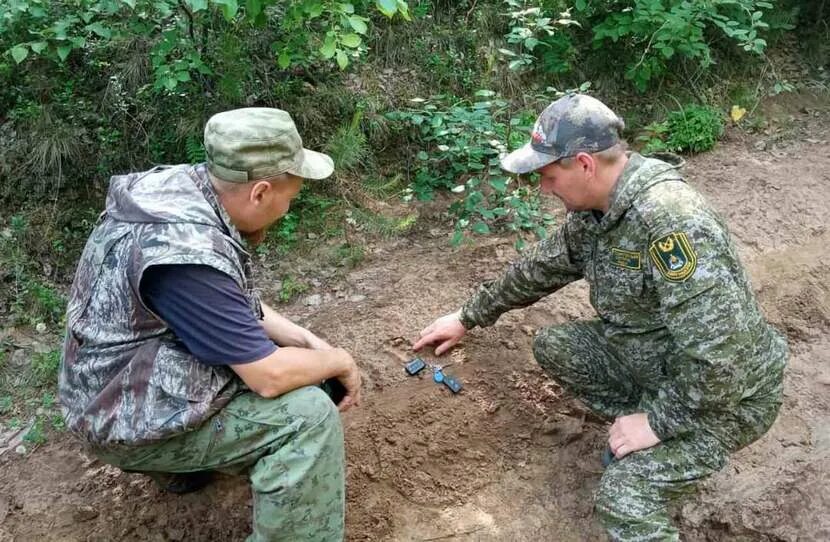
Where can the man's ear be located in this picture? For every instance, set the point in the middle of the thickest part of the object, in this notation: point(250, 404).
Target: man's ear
point(259, 191)
point(587, 163)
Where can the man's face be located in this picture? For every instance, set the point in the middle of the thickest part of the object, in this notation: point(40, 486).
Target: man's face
point(568, 183)
point(262, 205)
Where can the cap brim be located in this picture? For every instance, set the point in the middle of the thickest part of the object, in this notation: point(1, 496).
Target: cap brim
point(315, 165)
point(526, 159)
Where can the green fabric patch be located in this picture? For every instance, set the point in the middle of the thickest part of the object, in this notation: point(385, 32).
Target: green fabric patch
point(674, 257)
point(627, 259)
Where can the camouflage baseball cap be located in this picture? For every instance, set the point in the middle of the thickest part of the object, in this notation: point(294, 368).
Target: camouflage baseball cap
point(572, 124)
point(254, 143)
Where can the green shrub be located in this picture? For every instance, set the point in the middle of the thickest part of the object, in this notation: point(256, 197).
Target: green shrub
point(691, 129)
point(460, 142)
point(45, 368)
point(695, 128)
point(651, 33)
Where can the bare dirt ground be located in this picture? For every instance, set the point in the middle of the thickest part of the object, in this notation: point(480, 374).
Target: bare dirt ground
point(511, 458)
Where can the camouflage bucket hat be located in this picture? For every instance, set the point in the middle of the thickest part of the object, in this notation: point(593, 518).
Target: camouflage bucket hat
point(253, 143)
point(572, 124)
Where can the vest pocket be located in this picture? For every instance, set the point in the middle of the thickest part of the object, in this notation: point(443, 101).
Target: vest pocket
point(179, 374)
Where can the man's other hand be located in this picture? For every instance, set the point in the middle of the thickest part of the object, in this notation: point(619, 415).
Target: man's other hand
point(445, 331)
point(630, 434)
point(350, 378)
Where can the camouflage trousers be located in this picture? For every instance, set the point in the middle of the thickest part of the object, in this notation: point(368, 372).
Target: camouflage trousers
point(634, 493)
point(291, 447)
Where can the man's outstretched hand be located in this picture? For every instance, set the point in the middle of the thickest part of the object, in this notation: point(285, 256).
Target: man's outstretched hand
point(631, 433)
point(445, 332)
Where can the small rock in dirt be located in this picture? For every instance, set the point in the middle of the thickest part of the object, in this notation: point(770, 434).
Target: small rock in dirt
point(20, 450)
point(85, 513)
point(40, 328)
point(369, 472)
point(357, 298)
point(760, 145)
point(175, 534)
point(313, 300)
point(18, 358)
point(510, 345)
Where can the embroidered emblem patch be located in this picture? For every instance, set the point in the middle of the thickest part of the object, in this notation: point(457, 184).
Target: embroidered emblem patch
point(627, 259)
point(674, 257)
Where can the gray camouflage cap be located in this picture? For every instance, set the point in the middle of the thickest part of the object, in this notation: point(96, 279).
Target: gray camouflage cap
point(253, 143)
point(572, 124)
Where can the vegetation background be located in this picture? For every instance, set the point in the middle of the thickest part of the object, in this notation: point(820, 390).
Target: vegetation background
point(414, 101)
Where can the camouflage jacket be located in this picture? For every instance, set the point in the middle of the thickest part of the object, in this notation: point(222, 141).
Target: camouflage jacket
point(666, 281)
point(123, 378)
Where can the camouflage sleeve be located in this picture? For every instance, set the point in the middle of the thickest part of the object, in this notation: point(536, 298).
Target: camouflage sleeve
point(709, 311)
point(548, 266)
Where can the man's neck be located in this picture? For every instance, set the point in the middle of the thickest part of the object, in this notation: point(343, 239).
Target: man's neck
point(609, 177)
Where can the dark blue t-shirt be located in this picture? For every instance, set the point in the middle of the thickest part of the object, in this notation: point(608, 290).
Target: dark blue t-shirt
point(208, 313)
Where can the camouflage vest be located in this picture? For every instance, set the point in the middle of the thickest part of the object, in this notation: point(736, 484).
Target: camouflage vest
point(123, 378)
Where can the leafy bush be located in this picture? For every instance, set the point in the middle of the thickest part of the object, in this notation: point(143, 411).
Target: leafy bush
point(460, 142)
point(653, 32)
point(303, 31)
point(694, 128)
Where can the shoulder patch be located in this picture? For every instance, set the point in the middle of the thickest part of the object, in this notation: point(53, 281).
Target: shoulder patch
point(674, 256)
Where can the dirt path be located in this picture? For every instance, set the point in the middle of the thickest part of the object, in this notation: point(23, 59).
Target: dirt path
point(510, 458)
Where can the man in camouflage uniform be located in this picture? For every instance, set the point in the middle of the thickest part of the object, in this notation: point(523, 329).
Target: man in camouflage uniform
point(680, 356)
point(172, 364)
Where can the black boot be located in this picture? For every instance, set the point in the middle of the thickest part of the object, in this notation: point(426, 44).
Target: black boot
point(181, 483)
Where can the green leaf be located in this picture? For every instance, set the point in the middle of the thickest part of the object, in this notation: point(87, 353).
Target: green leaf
point(197, 5)
point(342, 59)
point(38, 46)
point(481, 228)
point(329, 47)
point(183, 76)
point(350, 40)
point(313, 10)
point(580, 5)
point(63, 51)
point(515, 64)
point(284, 60)
point(422, 155)
point(358, 24)
point(99, 29)
point(387, 7)
point(229, 8)
point(253, 8)
point(457, 237)
point(403, 9)
point(499, 185)
point(19, 53)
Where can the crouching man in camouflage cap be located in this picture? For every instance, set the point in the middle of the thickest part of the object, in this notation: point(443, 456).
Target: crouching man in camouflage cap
point(173, 365)
point(680, 356)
